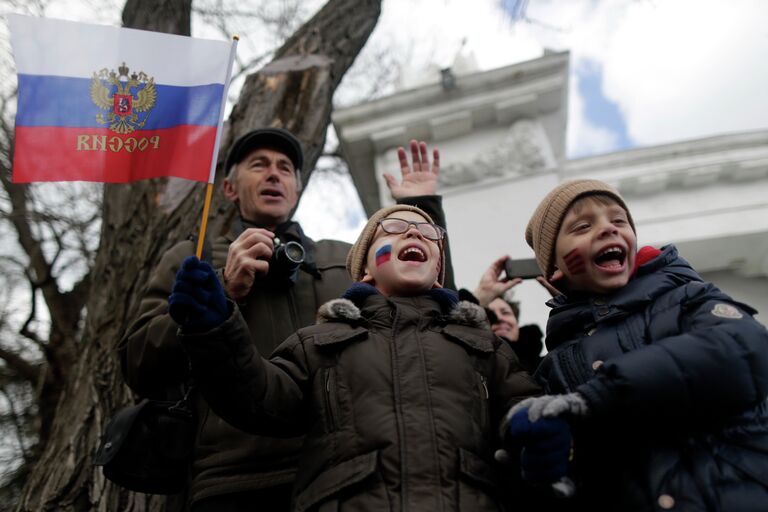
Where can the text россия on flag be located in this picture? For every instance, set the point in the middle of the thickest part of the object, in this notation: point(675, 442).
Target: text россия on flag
point(99, 103)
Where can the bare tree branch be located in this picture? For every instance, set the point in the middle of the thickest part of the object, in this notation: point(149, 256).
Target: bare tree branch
point(16, 421)
point(295, 90)
point(20, 366)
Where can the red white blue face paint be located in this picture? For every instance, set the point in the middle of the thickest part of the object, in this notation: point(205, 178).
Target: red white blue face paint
point(575, 262)
point(383, 254)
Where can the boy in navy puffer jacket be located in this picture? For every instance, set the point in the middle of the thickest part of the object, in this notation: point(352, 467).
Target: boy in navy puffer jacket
point(661, 375)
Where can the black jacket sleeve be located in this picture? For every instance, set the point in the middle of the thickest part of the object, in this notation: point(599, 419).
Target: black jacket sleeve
point(716, 366)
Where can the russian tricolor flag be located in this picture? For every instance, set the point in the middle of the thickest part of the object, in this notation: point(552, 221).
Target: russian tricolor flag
point(99, 103)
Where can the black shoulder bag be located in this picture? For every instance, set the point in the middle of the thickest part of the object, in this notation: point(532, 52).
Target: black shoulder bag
point(147, 447)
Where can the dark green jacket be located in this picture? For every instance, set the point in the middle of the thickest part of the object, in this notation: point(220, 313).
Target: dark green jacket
point(226, 459)
point(399, 400)
point(153, 362)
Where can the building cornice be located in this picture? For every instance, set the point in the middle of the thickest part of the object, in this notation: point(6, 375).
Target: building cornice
point(490, 100)
point(434, 94)
point(692, 163)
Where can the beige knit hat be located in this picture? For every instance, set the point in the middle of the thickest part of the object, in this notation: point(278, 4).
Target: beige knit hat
point(541, 233)
point(359, 252)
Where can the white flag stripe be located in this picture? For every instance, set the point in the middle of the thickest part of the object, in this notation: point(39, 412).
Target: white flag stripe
point(64, 48)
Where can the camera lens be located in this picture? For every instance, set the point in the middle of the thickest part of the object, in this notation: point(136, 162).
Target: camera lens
point(286, 261)
point(294, 252)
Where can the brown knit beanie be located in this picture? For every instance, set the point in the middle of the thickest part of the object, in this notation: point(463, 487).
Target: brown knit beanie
point(542, 230)
point(358, 254)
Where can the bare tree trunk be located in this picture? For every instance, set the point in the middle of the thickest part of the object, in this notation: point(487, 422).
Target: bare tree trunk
point(170, 16)
point(142, 220)
point(295, 90)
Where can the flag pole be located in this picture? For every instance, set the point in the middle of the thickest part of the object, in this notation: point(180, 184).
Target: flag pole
point(214, 156)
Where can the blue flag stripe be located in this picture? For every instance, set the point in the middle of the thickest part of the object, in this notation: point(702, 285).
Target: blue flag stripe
point(66, 102)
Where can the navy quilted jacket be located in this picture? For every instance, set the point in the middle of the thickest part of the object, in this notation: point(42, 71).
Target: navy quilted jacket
point(676, 376)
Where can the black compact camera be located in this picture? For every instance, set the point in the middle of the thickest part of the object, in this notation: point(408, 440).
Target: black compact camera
point(527, 268)
point(286, 259)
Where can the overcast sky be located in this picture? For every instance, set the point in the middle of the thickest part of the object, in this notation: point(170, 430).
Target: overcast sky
point(643, 72)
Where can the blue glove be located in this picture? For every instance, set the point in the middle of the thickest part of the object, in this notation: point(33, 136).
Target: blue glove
point(197, 302)
point(546, 446)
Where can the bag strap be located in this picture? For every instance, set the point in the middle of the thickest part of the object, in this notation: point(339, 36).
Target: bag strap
point(184, 404)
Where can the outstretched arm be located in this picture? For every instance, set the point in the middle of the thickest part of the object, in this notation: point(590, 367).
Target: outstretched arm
point(713, 365)
point(418, 187)
point(249, 392)
point(256, 395)
point(418, 180)
point(492, 285)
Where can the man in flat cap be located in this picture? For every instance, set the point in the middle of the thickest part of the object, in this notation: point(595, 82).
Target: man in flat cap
point(278, 277)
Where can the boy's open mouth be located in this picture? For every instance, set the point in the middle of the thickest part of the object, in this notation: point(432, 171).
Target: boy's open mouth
point(412, 253)
point(611, 258)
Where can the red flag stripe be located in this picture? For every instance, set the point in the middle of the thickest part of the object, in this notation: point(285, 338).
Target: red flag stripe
point(99, 154)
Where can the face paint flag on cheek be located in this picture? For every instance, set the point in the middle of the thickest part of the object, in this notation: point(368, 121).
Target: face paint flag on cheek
point(574, 262)
point(383, 254)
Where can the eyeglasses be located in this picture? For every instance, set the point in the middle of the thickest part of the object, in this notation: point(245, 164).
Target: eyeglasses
point(395, 226)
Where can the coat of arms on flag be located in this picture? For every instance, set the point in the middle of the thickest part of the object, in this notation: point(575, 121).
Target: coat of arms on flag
point(128, 99)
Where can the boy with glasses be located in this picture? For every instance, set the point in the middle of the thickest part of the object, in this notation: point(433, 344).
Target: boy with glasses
point(399, 388)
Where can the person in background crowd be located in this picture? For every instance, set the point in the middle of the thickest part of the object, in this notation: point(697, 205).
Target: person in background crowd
point(494, 292)
point(525, 341)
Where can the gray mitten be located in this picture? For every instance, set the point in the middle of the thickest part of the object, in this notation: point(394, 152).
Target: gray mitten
point(551, 406)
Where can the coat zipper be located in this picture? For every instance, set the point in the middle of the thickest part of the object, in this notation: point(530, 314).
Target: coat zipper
point(484, 396)
point(404, 481)
point(293, 311)
point(330, 399)
point(571, 362)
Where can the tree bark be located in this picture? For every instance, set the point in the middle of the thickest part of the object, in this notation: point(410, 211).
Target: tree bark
point(141, 220)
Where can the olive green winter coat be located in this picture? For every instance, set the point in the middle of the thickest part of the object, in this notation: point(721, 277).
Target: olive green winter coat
point(400, 401)
point(226, 459)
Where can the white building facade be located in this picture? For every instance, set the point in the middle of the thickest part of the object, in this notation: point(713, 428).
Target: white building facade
point(501, 136)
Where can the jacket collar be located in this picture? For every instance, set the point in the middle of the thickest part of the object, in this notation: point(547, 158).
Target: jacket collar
point(574, 312)
point(669, 262)
point(362, 297)
point(445, 297)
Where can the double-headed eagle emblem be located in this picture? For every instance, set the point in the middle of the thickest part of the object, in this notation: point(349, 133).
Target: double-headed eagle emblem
point(127, 98)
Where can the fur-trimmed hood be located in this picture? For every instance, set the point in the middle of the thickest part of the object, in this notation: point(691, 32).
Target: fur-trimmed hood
point(463, 313)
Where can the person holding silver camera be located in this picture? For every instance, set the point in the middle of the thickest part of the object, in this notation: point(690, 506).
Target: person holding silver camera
point(278, 277)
